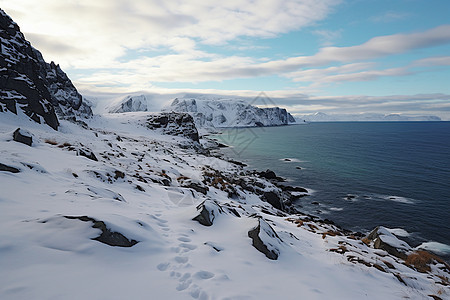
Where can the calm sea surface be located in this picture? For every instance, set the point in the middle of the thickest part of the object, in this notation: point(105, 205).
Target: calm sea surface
point(362, 174)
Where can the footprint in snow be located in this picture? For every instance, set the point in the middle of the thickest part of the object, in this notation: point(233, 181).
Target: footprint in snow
point(163, 266)
point(204, 275)
point(181, 259)
point(184, 239)
point(187, 247)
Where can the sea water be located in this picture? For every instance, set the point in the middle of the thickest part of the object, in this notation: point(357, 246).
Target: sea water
point(361, 174)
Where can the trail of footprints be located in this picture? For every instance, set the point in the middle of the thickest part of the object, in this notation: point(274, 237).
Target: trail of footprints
point(179, 266)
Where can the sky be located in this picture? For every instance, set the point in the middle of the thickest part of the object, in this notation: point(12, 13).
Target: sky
point(333, 56)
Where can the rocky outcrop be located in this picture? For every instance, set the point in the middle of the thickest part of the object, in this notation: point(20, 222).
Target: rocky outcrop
point(30, 84)
point(265, 239)
point(130, 104)
point(381, 238)
point(22, 136)
point(179, 124)
point(209, 210)
point(273, 199)
point(231, 113)
point(6, 168)
point(107, 236)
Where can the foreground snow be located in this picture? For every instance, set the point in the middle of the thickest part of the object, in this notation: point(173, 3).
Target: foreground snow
point(136, 189)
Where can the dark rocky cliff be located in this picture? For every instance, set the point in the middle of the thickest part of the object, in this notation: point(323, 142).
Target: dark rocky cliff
point(41, 90)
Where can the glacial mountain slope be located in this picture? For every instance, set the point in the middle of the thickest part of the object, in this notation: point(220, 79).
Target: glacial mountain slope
point(230, 113)
point(30, 84)
point(131, 206)
point(131, 103)
point(367, 117)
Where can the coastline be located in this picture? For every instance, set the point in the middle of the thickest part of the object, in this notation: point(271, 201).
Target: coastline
point(194, 224)
point(417, 242)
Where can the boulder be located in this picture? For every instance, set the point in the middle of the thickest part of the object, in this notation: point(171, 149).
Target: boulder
point(265, 239)
point(87, 153)
point(385, 240)
point(273, 199)
point(268, 174)
point(23, 137)
point(107, 236)
point(209, 210)
point(5, 168)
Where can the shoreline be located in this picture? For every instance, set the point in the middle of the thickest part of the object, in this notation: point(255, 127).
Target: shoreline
point(416, 242)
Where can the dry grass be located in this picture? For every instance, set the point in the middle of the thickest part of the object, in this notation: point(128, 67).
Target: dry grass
point(366, 241)
point(51, 142)
point(330, 233)
point(421, 260)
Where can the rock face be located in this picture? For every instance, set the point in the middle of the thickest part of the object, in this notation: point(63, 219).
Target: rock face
point(28, 83)
point(231, 113)
point(130, 104)
point(273, 199)
point(265, 239)
point(181, 124)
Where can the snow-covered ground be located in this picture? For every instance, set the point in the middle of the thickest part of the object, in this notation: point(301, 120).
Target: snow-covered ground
point(148, 187)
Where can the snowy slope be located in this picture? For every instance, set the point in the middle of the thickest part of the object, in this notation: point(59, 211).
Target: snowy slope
point(156, 188)
point(230, 113)
point(129, 104)
point(368, 117)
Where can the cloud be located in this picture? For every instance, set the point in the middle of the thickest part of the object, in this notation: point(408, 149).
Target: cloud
point(436, 61)
point(390, 16)
point(106, 28)
point(328, 37)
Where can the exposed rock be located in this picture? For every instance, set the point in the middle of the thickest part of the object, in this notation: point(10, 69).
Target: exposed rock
point(268, 174)
point(6, 168)
point(107, 236)
point(197, 187)
point(265, 239)
point(383, 239)
point(23, 137)
point(209, 210)
point(273, 199)
point(30, 84)
point(181, 124)
point(87, 153)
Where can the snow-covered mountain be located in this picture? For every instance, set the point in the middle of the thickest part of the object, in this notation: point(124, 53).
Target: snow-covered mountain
point(368, 117)
point(29, 84)
point(129, 104)
point(230, 113)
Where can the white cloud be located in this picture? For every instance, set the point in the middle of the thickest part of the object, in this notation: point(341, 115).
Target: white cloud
point(104, 29)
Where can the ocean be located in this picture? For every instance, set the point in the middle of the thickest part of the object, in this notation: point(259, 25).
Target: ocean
point(361, 174)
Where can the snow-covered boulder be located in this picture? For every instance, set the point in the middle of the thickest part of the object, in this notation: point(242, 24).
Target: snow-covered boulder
point(383, 239)
point(265, 239)
point(230, 113)
point(208, 212)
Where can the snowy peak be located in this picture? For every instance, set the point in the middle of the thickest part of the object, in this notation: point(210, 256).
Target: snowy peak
point(230, 113)
point(130, 104)
point(30, 84)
